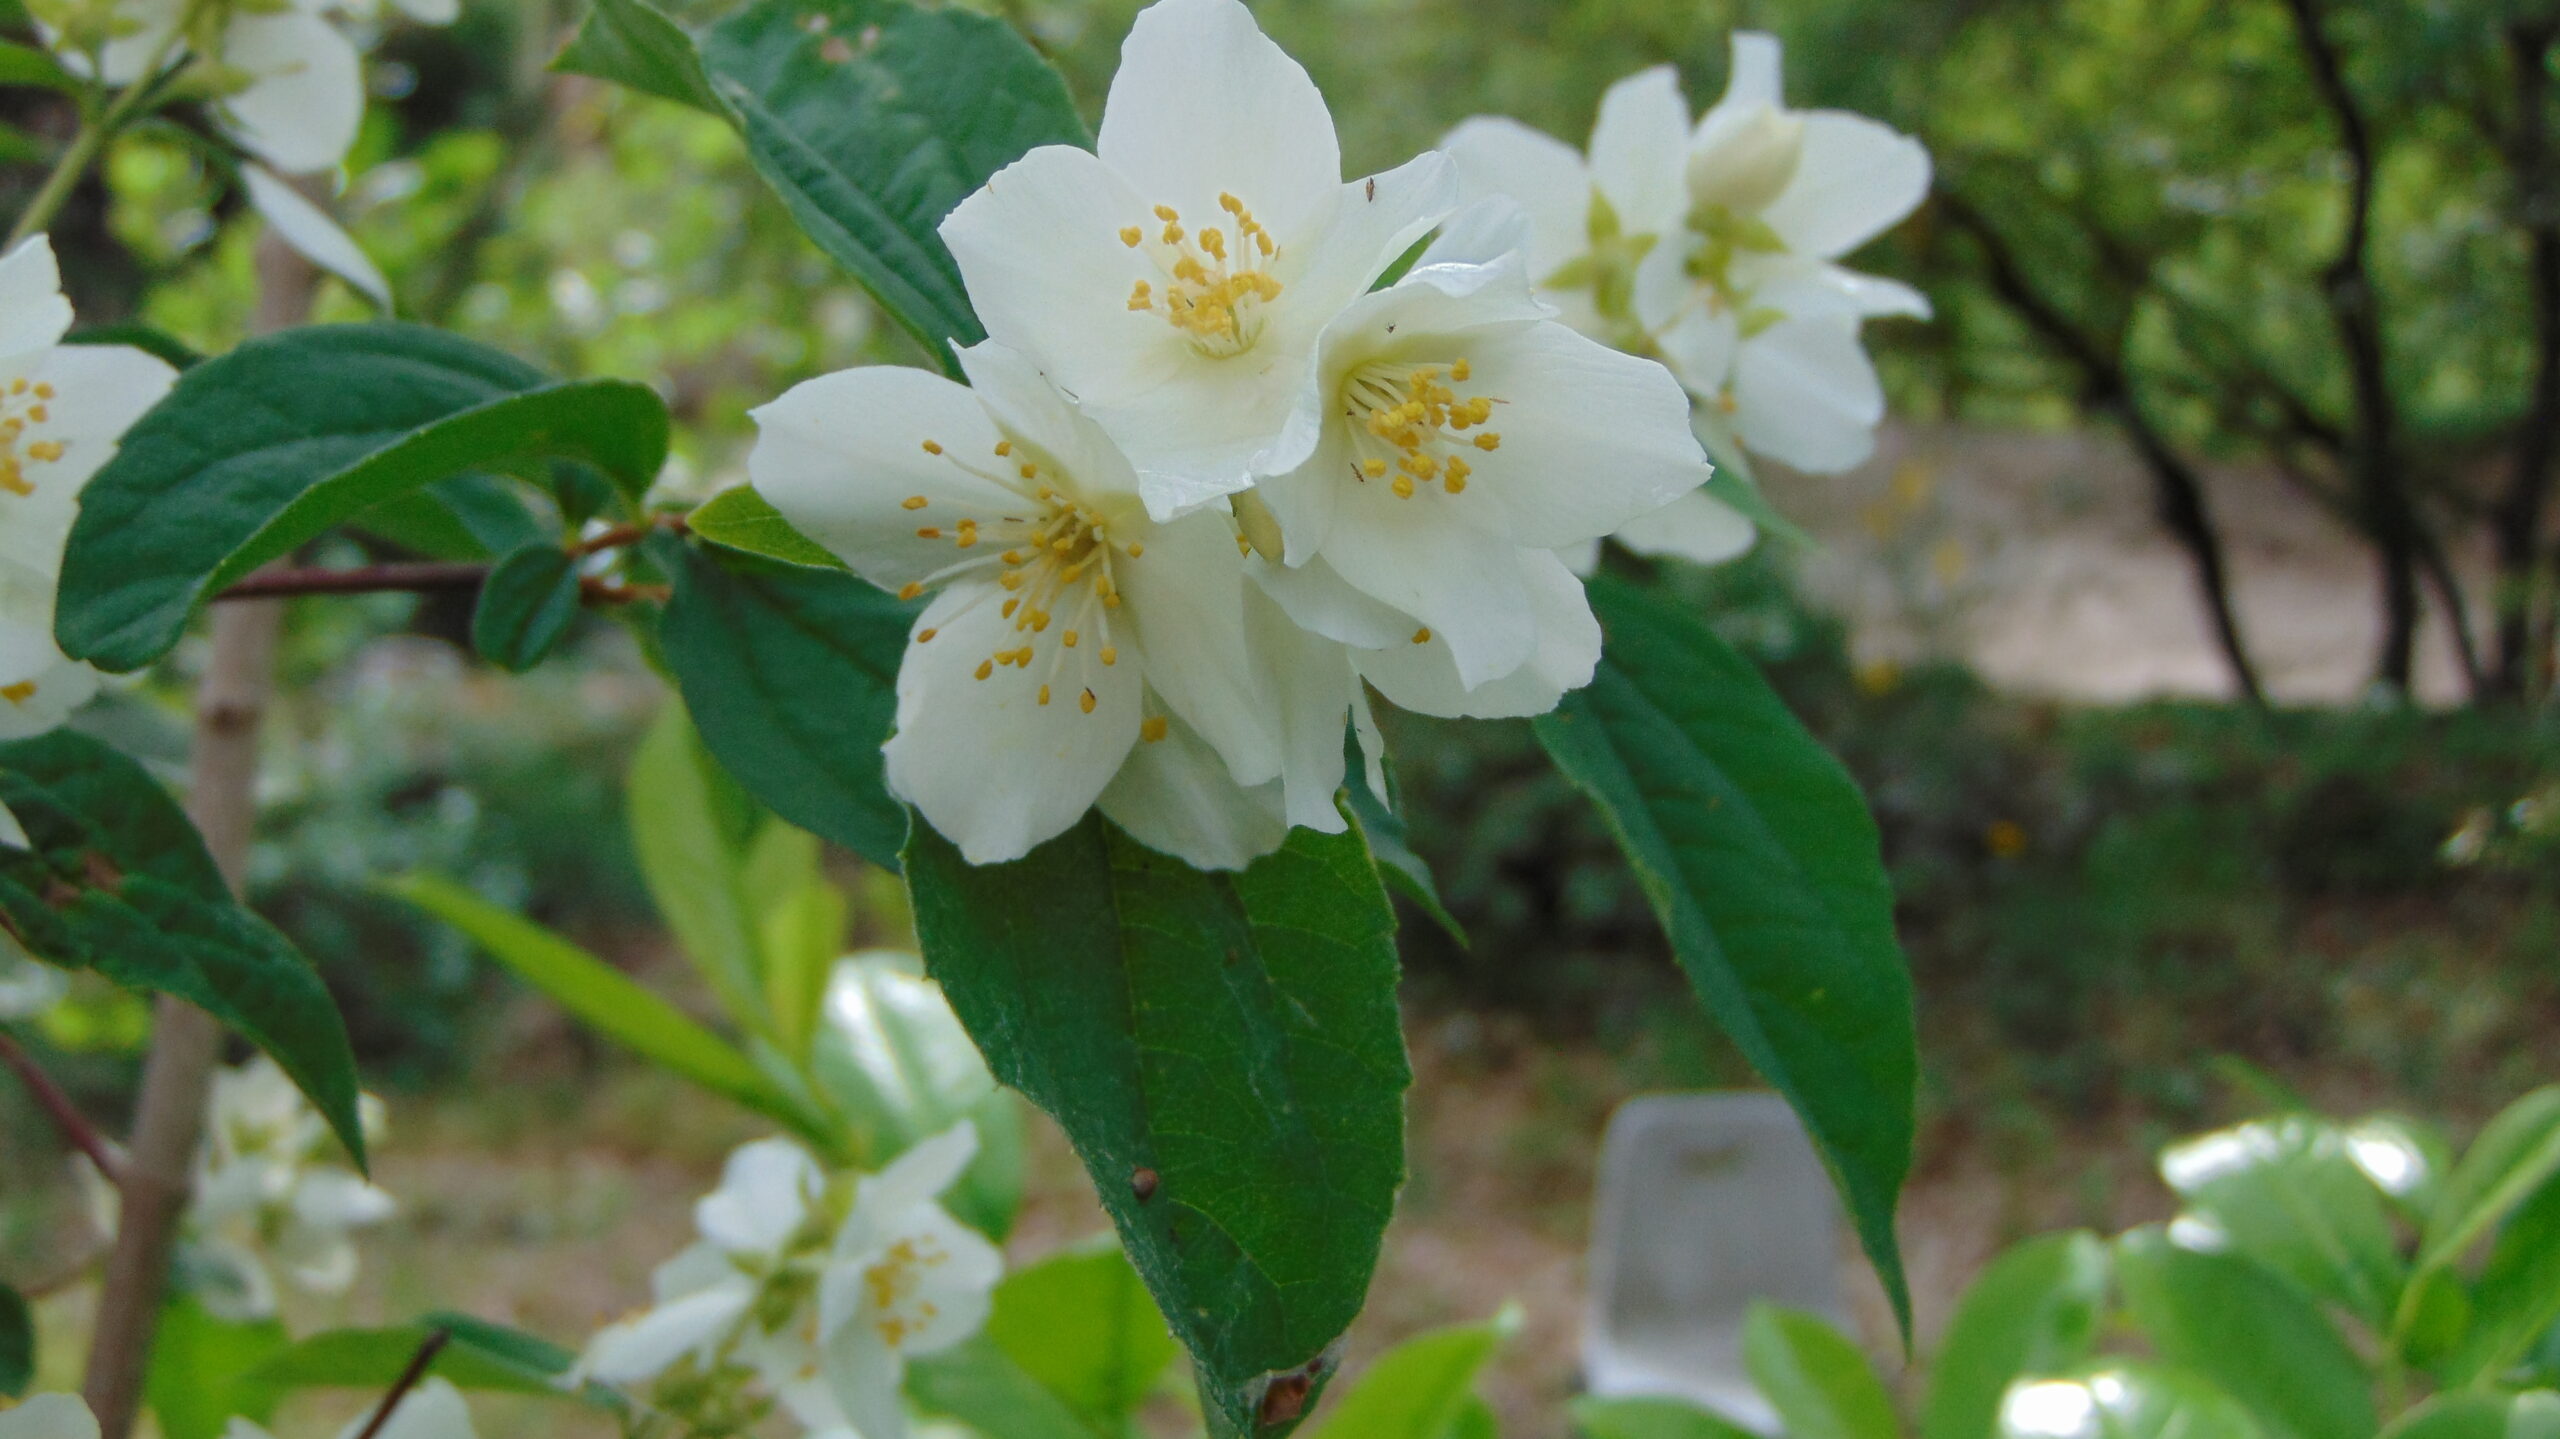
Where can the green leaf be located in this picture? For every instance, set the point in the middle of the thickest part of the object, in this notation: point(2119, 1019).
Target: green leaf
point(2517, 1298)
point(980, 1385)
point(119, 882)
point(604, 998)
point(17, 1343)
point(690, 826)
point(2036, 1310)
point(375, 1358)
point(176, 353)
point(2125, 1401)
point(1645, 1418)
point(204, 1371)
point(1476, 1420)
point(2480, 1415)
point(250, 456)
point(2407, 1159)
point(2249, 1332)
point(468, 517)
point(1816, 1379)
point(526, 605)
point(791, 675)
point(872, 119)
point(27, 65)
point(1080, 1324)
point(2516, 1154)
point(741, 519)
point(1763, 864)
point(1405, 872)
point(2285, 1193)
point(1223, 1052)
point(799, 940)
point(633, 44)
point(1420, 1388)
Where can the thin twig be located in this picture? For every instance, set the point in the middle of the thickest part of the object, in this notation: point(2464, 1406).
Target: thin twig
point(407, 1381)
point(66, 1115)
point(360, 580)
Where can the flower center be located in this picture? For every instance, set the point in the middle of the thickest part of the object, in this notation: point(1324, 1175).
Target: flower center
point(24, 407)
point(1212, 288)
point(895, 1285)
point(1409, 424)
point(1055, 564)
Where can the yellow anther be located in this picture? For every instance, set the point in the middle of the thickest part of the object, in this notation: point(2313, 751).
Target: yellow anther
point(1136, 549)
point(1459, 370)
point(1086, 704)
point(914, 502)
point(44, 392)
point(1110, 654)
point(910, 590)
point(1422, 636)
point(1003, 448)
point(1243, 545)
point(986, 668)
point(925, 636)
point(1230, 203)
point(1404, 487)
point(929, 532)
point(1131, 235)
point(1069, 639)
point(1011, 605)
point(932, 447)
point(38, 414)
point(1012, 580)
point(1172, 234)
point(1214, 242)
point(1141, 297)
point(19, 693)
point(18, 386)
point(1030, 472)
point(46, 450)
point(1044, 694)
point(1488, 441)
point(1039, 621)
point(1167, 213)
point(1375, 469)
point(1155, 728)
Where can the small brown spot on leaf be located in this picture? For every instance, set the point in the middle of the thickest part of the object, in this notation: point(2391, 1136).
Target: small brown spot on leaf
point(1285, 1400)
point(836, 50)
point(1144, 1183)
point(101, 871)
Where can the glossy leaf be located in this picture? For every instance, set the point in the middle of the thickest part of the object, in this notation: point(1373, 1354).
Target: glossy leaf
point(634, 44)
point(2124, 1401)
point(2036, 1310)
point(248, 458)
point(604, 998)
point(1649, 1418)
point(741, 519)
point(372, 1359)
point(1224, 1053)
point(119, 882)
point(1815, 1377)
point(1419, 1389)
point(2249, 1332)
point(205, 1370)
point(980, 1385)
point(17, 1343)
point(2287, 1193)
point(690, 827)
point(468, 517)
point(2517, 1153)
point(791, 676)
point(1082, 1326)
point(872, 119)
point(2517, 1297)
point(2481, 1415)
point(526, 605)
point(1764, 866)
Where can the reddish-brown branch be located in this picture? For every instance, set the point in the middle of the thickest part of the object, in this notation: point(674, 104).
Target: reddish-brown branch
point(66, 1116)
point(412, 579)
point(407, 1381)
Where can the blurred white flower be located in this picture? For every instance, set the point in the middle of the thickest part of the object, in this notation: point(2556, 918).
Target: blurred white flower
point(905, 1279)
point(1079, 652)
point(1176, 279)
point(1714, 247)
point(62, 410)
point(49, 1416)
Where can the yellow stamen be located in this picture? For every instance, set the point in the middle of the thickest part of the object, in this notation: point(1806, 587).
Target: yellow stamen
point(1154, 729)
point(1422, 636)
point(914, 502)
point(1086, 704)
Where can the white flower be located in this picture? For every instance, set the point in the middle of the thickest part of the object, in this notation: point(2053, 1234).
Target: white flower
point(1176, 281)
point(1460, 437)
point(49, 1416)
point(1714, 247)
point(433, 1410)
point(1079, 653)
point(905, 1279)
point(62, 410)
point(266, 1199)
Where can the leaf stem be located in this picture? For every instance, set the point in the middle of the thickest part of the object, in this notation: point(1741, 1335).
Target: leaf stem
point(411, 579)
point(407, 1381)
point(57, 1105)
point(90, 143)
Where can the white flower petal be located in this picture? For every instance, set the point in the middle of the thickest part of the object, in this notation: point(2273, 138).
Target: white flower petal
point(1583, 559)
point(763, 1199)
point(1204, 103)
point(1752, 85)
point(1697, 527)
point(993, 769)
point(640, 1348)
point(1640, 151)
point(39, 688)
point(1590, 438)
point(337, 1199)
point(1806, 395)
point(1701, 348)
point(1318, 601)
point(1424, 678)
point(841, 456)
point(867, 1377)
point(1315, 689)
point(306, 103)
point(1175, 796)
point(1459, 583)
point(33, 313)
point(913, 1180)
point(50, 1416)
point(431, 12)
point(1543, 175)
point(696, 1267)
point(1027, 406)
point(1185, 604)
point(1371, 224)
point(13, 835)
point(309, 229)
point(1856, 180)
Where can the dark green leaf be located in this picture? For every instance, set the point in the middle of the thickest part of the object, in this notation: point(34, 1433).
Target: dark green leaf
point(1081, 1325)
point(2034, 1311)
point(873, 119)
point(1816, 1379)
point(468, 517)
point(980, 1385)
point(119, 882)
point(2481, 1415)
point(526, 605)
point(741, 519)
point(1223, 1051)
point(251, 455)
point(1597, 1418)
point(17, 1343)
point(791, 676)
point(204, 1371)
point(160, 343)
point(633, 44)
point(2248, 1331)
point(2516, 1154)
point(1405, 872)
point(1761, 860)
point(2517, 1298)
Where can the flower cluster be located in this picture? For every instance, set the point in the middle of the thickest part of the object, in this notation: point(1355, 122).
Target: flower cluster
point(268, 1198)
point(1210, 479)
point(807, 1291)
point(1713, 247)
point(62, 410)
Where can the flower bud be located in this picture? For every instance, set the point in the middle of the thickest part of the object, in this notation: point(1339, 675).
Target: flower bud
point(1744, 167)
